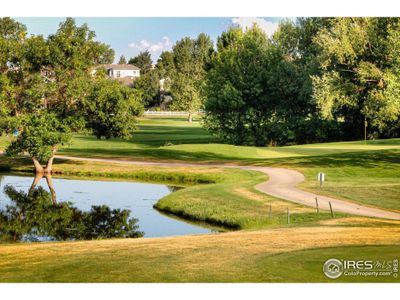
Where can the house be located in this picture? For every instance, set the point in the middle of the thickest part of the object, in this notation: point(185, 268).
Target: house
point(47, 73)
point(126, 73)
point(122, 71)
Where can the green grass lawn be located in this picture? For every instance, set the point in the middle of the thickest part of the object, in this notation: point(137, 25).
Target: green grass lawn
point(370, 177)
point(367, 174)
point(166, 138)
point(218, 196)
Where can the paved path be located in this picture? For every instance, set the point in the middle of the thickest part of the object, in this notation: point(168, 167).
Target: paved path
point(281, 184)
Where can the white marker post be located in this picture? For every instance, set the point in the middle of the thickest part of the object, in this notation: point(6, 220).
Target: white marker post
point(321, 178)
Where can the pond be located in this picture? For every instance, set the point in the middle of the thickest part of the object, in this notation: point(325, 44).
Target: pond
point(36, 209)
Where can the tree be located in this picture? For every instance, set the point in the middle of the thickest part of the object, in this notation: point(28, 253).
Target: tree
point(44, 83)
point(40, 136)
point(191, 58)
point(12, 34)
point(73, 53)
point(165, 64)
point(142, 61)
point(360, 81)
point(110, 109)
point(292, 77)
point(148, 86)
point(122, 60)
point(251, 89)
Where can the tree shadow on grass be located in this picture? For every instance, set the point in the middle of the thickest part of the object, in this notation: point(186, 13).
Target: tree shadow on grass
point(155, 138)
point(365, 159)
point(150, 154)
point(387, 159)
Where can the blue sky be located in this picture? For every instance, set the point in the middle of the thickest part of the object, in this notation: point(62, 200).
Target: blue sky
point(129, 36)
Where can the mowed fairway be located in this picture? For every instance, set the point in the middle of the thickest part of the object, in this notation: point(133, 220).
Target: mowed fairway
point(368, 174)
point(280, 255)
point(166, 138)
point(266, 249)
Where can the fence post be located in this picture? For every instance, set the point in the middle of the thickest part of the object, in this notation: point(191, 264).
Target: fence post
point(330, 205)
point(270, 211)
point(316, 204)
point(288, 216)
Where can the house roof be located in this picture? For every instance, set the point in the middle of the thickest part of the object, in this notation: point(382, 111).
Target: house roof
point(119, 67)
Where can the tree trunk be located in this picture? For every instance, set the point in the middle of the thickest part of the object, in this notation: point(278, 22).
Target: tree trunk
point(49, 166)
point(51, 188)
point(38, 167)
point(190, 118)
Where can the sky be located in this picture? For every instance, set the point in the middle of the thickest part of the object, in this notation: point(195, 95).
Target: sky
point(129, 36)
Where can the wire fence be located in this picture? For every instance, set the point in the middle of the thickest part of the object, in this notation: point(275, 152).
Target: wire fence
point(168, 113)
point(165, 113)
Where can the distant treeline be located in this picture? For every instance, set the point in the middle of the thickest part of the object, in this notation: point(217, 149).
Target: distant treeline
point(314, 80)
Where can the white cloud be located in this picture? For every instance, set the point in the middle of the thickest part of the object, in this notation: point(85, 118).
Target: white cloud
point(164, 44)
point(268, 27)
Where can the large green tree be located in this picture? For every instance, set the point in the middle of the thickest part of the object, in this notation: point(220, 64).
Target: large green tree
point(110, 109)
point(44, 84)
point(40, 135)
point(122, 60)
point(143, 61)
point(254, 89)
point(299, 51)
point(149, 88)
point(360, 83)
point(191, 60)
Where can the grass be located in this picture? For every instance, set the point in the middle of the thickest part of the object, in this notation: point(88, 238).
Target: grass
point(265, 250)
point(367, 174)
point(279, 255)
point(370, 178)
point(218, 196)
point(305, 265)
point(175, 139)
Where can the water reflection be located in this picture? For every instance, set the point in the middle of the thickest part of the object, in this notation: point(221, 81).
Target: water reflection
point(37, 216)
point(174, 188)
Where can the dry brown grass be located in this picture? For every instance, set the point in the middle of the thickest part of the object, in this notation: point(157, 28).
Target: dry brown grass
point(276, 204)
point(227, 257)
point(359, 221)
point(218, 246)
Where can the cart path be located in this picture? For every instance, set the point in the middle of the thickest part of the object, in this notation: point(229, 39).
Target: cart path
point(282, 184)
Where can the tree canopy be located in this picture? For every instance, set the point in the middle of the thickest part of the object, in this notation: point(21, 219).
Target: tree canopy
point(361, 80)
point(316, 79)
point(122, 60)
point(191, 57)
point(313, 80)
point(110, 109)
point(253, 94)
point(46, 85)
point(143, 61)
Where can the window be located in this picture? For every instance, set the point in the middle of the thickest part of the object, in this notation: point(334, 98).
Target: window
point(118, 74)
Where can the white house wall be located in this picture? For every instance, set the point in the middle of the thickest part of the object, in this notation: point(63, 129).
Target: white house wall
point(125, 73)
